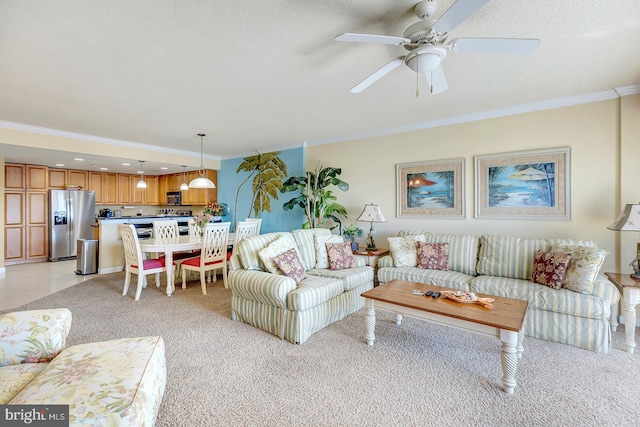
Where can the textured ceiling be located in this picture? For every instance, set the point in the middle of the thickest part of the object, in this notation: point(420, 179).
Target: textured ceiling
point(261, 75)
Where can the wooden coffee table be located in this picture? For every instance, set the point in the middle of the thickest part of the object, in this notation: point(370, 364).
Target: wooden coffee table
point(504, 320)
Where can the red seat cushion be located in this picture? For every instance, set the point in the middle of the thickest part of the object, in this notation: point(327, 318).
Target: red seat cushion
point(149, 264)
point(195, 262)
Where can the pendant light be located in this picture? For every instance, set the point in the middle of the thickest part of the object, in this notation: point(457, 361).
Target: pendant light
point(201, 181)
point(183, 186)
point(141, 183)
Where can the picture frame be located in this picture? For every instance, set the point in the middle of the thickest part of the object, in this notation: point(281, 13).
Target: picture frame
point(431, 189)
point(524, 185)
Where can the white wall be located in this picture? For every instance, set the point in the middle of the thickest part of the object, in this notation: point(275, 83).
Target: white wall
point(592, 131)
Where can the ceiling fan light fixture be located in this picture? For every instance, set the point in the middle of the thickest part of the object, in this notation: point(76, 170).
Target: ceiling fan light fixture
point(201, 181)
point(425, 59)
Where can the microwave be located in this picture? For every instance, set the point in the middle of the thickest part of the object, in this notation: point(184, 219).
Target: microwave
point(174, 198)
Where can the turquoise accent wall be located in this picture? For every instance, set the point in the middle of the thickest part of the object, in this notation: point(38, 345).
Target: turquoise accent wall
point(276, 220)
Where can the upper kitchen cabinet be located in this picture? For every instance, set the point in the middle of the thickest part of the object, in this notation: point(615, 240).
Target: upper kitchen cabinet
point(60, 178)
point(125, 194)
point(78, 178)
point(109, 188)
point(144, 196)
point(95, 184)
point(36, 177)
point(14, 177)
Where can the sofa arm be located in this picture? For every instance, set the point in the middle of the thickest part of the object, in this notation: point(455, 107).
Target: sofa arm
point(385, 261)
point(266, 288)
point(606, 290)
point(33, 336)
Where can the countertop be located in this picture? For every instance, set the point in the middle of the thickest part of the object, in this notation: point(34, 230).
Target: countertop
point(145, 217)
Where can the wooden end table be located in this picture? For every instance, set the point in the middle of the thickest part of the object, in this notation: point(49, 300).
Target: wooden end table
point(630, 289)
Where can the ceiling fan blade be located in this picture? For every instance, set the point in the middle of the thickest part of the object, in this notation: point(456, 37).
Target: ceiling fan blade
point(457, 13)
point(377, 75)
point(437, 80)
point(370, 38)
point(500, 46)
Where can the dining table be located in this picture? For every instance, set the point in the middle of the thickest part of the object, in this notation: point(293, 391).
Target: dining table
point(175, 244)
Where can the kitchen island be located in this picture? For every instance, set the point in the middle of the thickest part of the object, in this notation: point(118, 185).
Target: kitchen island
point(110, 251)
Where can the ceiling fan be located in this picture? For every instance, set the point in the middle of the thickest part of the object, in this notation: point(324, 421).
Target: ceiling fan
point(427, 43)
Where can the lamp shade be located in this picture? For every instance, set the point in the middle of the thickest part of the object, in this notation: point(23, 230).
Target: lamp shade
point(628, 220)
point(141, 184)
point(201, 182)
point(372, 213)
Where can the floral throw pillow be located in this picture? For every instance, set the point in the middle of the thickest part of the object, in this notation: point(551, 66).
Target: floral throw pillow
point(290, 264)
point(404, 250)
point(320, 241)
point(583, 268)
point(275, 248)
point(433, 256)
point(340, 256)
point(550, 268)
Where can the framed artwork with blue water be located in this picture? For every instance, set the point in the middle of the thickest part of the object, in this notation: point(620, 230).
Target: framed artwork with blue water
point(431, 189)
point(524, 185)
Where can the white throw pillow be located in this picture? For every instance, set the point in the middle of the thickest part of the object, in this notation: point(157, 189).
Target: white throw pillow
point(404, 250)
point(276, 248)
point(320, 241)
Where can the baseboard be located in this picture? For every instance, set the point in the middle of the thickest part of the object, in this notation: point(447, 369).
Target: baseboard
point(110, 270)
point(621, 321)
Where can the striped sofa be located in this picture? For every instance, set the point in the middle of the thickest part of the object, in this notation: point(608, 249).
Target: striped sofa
point(501, 265)
point(274, 303)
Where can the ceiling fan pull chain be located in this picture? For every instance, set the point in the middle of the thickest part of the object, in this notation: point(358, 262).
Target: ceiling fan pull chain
point(431, 84)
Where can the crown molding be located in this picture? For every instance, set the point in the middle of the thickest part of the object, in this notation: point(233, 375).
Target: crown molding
point(99, 139)
point(491, 114)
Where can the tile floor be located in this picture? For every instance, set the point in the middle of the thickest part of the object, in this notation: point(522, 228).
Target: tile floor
point(24, 283)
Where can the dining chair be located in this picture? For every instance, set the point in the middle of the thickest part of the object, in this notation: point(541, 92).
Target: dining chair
point(168, 230)
point(213, 254)
point(134, 261)
point(244, 229)
point(194, 229)
point(258, 220)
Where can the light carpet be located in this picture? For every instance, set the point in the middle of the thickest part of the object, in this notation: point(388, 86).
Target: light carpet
point(226, 373)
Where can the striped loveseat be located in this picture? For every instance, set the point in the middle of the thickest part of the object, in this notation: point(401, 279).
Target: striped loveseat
point(502, 266)
point(276, 304)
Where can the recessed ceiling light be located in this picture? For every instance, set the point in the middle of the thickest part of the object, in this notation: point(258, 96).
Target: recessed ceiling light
point(59, 164)
point(78, 159)
point(164, 169)
point(104, 169)
point(140, 172)
point(126, 164)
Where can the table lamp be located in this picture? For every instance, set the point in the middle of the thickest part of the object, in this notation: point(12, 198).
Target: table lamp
point(629, 220)
point(371, 213)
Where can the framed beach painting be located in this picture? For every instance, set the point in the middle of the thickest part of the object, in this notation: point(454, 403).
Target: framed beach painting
point(431, 188)
point(524, 185)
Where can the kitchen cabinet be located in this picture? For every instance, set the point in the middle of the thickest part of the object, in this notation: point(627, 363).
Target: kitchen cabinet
point(144, 196)
point(96, 184)
point(151, 196)
point(25, 214)
point(109, 188)
point(57, 178)
point(78, 178)
point(60, 178)
point(124, 188)
point(14, 177)
point(36, 177)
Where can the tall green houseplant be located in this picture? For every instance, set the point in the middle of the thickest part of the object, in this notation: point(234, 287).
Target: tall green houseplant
point(316, 199)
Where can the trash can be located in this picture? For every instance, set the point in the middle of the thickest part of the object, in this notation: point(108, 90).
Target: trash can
point(87, 256)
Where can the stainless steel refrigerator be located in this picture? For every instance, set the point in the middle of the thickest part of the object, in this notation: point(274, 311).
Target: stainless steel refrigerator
point(71, 217)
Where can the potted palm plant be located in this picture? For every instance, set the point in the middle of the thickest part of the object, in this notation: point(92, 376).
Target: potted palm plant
point(350, 233)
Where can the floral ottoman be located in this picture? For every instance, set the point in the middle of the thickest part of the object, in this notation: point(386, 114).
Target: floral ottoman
point(117, 382)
